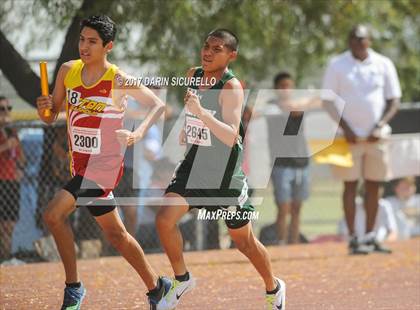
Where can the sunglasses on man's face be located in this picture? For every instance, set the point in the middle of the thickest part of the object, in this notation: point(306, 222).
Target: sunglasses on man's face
point(4, 109)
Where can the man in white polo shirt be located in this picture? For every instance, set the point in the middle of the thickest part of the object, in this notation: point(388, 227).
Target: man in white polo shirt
point(367, 83)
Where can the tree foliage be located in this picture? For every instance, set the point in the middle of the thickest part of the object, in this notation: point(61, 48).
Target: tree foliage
point(297, 35)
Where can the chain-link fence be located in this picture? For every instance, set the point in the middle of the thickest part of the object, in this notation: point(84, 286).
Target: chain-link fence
point(39, 167)
point(32, 172)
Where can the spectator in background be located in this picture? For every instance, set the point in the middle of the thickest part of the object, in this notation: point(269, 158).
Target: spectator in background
point(290, 175)
point(12, 161)
point(150, 199)
point(60, 159)
point(138, 165)
point(368, 84)
point(127, 189)
point(406, 207)
point(147, 152)
point(385, 227)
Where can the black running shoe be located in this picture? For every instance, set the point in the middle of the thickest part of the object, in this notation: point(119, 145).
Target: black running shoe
point(358, 248)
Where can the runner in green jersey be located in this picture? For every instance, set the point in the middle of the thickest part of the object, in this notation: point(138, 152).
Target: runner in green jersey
point(210, 175)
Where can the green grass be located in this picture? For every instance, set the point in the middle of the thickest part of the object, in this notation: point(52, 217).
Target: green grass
point(320, 212)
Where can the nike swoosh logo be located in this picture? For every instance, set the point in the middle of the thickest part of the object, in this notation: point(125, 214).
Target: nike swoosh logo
point(179, 296)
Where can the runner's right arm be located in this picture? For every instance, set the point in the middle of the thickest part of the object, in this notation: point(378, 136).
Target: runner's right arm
point(54, 102)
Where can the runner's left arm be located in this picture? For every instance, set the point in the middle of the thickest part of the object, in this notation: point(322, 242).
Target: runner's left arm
point(142, 95)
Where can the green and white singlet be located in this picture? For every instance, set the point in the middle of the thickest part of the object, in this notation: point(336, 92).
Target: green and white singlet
point(211, 176)
point(210, 168)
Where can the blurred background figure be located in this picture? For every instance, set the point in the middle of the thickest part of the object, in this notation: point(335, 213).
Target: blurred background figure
point(385, 227)
point(368, 84)
point(406, 207)
point(148, 155)
point(150, 198)
point(12, 162)
point(290, 175)
point(126, 189)
point(138, 165)
point(60, 159)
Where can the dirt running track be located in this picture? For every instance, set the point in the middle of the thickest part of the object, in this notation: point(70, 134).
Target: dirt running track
point(318, 277)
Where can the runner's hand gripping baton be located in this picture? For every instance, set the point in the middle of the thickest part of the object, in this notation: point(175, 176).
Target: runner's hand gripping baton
point(44, 84)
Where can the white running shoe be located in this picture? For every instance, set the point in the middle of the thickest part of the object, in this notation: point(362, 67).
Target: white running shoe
point(178, 289)
point(277, 301)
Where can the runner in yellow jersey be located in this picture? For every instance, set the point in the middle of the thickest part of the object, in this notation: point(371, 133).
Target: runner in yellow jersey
point(94, 93)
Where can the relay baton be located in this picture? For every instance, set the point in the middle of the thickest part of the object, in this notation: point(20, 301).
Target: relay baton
point(44, 84)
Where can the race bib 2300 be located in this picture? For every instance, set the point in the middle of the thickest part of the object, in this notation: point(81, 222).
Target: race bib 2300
point(86, 140)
